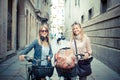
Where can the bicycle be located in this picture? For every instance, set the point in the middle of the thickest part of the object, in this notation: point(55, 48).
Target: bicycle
point(35, 72)
point(65, 63)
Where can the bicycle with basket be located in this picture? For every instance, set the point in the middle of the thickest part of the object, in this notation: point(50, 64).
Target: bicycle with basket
point(34, 72)
point(70, 65)
point(65, 62)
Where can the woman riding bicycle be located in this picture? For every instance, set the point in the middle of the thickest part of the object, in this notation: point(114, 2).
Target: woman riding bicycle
point(42, 48)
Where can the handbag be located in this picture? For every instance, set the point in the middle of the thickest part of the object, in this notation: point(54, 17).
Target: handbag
point(83, 67)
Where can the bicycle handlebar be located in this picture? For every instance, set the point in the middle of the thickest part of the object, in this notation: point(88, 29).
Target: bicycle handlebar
point(29, 59)
point(79, 55)
point(65, 48)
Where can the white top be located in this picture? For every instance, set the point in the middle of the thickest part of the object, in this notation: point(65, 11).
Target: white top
point(45, 52)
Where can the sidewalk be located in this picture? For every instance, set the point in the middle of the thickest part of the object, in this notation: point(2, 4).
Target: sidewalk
point(13, 69)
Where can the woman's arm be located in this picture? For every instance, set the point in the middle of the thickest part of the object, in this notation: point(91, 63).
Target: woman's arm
point(26, 50)
point(88, 48)
point(29, 48)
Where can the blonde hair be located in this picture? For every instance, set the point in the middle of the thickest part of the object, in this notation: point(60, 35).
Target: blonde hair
point(39, 35)
point(81, 34)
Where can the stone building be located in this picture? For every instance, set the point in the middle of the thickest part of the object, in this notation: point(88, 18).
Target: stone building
point(27, 22)
point(101, 22)
point(19, 23)
point(32, 14)
point(8, 18)
point(72, 13)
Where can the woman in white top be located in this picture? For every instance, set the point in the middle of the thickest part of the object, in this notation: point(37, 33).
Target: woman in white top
point(82, 41)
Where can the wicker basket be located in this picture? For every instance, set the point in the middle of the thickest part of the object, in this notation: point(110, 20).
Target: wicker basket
point(43, 71)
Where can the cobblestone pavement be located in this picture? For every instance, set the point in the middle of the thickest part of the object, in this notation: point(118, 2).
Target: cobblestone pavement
point(13, 69)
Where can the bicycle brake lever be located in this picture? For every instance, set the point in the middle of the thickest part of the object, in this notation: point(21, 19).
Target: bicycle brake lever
point(28, 58)
point(79, 55)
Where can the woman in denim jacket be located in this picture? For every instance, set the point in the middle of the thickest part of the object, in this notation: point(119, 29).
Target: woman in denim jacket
point(42, 48)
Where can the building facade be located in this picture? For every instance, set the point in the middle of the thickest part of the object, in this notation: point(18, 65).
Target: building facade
point(8, 13)
point(19, 23)
point(101, 22)
point(72, 12)
point(27, 22)
point(57, 16)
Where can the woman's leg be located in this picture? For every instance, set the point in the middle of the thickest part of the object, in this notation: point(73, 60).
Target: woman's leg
point(82, 78)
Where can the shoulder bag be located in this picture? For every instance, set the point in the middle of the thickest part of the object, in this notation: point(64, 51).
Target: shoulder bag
point(83, 67)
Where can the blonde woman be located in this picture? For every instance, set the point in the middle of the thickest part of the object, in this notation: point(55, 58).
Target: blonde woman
point(42, 48)
point(82, 42)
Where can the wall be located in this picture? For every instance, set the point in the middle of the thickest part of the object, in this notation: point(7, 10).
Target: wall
point(3, 28)
point(104, 31)
point(4, 53)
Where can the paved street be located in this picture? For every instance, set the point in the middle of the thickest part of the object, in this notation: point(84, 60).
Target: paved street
point(13, 69)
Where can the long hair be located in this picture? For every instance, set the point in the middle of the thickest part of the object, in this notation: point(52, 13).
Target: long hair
point(81, 33)
point(39, 35)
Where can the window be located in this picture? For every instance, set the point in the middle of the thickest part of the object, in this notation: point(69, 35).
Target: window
point(79, 3)
point(65, 1)
point(90, 13)
point(82, 18)
point(37, 29)
point(75, 2)
point(9, 26)
point(27, 27)
point(103, 6)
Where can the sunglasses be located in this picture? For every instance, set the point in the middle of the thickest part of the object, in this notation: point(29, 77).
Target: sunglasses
point(43, 30)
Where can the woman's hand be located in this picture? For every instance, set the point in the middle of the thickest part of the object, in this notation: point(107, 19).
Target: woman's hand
point(21, 57)
point(49, 58)
point(86, 56)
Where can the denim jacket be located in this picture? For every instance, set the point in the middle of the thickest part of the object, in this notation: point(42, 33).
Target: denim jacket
point(37, 50)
